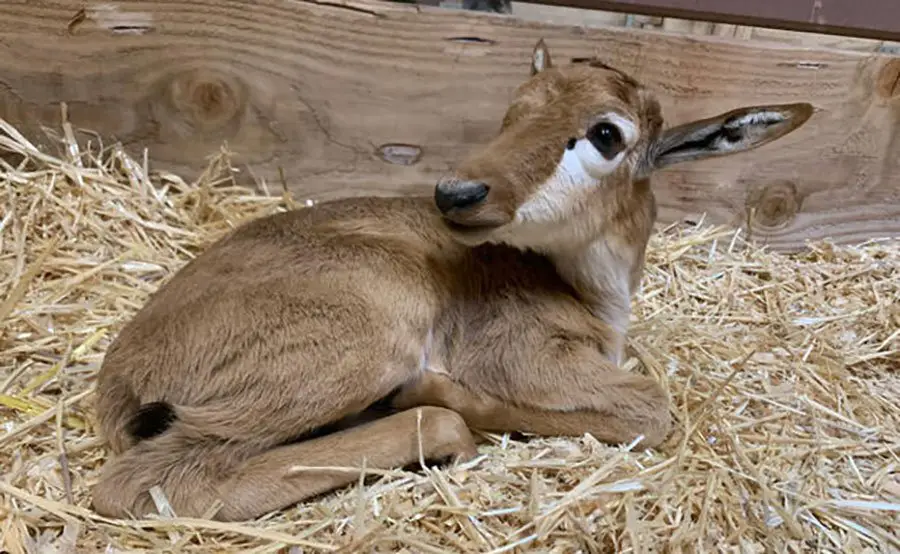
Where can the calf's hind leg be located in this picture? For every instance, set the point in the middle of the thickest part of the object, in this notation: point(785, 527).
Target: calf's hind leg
point(194, 474)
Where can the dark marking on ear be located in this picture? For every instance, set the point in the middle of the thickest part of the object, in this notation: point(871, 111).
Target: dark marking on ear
point(151, 419)
point(733, 130)
point(698, 144)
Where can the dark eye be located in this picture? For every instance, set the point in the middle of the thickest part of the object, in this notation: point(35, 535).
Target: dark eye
point(607, 139)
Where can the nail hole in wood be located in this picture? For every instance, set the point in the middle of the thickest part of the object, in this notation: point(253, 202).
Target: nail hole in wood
point(472, 40)
point(400, 154)
point(803, 65)
point(130, 29)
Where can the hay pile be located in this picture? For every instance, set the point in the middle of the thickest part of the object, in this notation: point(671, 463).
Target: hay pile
point(783, 371)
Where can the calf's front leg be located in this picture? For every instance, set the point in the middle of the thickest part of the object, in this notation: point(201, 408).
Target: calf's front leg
point(620, 408)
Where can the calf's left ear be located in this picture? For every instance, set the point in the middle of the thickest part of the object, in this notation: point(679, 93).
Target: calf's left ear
point(540, 58)
point(728, 133)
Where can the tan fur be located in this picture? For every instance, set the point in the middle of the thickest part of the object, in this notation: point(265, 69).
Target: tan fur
point(393, 326)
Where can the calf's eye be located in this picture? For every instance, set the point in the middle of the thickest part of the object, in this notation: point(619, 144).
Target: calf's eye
point(607, 139)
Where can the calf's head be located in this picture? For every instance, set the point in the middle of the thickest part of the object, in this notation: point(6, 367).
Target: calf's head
point(575, 150)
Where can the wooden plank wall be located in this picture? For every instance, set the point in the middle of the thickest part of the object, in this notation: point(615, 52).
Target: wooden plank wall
point(561, 15)
point(323, 90)
point(862, 18)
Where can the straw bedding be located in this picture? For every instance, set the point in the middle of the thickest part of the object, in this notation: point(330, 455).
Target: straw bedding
point(783, 372)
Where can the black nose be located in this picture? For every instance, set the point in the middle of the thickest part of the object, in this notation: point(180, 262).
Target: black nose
point(461, 194)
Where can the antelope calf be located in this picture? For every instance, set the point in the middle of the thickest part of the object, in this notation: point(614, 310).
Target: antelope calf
point(367, 329)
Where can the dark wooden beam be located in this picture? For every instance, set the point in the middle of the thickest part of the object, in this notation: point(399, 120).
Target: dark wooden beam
point(877, 19)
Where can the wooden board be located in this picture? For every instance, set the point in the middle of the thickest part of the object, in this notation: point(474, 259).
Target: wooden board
point(862, 18)
point(319, 89)
point(593, 18)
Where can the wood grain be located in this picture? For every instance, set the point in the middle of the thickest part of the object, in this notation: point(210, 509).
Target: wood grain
point(327, 90)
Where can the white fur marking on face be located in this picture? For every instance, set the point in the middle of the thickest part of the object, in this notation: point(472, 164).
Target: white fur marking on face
point(579, 170)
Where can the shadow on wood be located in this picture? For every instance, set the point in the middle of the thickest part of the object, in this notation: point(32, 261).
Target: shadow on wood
point(361, 97)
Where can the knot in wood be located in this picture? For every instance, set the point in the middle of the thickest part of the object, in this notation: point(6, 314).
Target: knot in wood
point(888, 84)
point(207, 101)
point(775, 206)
